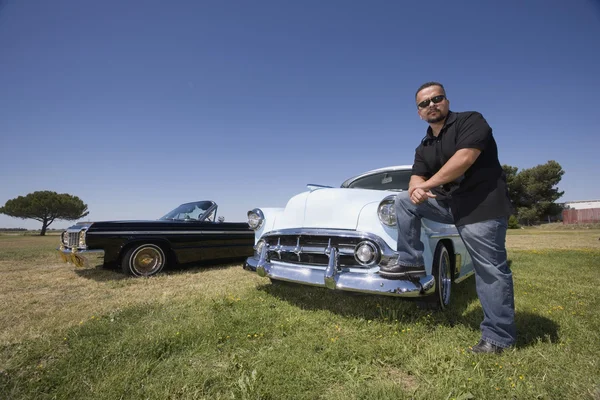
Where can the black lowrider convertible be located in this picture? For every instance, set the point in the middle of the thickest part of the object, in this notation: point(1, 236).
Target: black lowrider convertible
point(191, 233)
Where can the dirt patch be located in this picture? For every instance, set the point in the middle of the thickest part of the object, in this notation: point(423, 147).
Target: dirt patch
point(409, 383)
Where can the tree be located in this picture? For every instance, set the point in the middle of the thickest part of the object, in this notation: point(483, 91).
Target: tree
point(513, 222)
point(533, 191)
point(46, 206)
point(513, 189)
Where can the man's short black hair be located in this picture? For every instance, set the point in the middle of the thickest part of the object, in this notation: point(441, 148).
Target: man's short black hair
point(428, 84)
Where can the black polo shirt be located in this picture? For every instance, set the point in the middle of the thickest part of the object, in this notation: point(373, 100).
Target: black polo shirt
point(481, 193)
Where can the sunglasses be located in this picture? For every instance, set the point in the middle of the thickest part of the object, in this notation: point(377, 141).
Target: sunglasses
point(434, 100)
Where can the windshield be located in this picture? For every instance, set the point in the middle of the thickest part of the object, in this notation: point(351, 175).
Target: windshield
point(392, 180)
point(189, 211)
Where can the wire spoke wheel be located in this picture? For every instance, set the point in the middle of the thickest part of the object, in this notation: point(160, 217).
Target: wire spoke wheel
point(443, 274)
point(144, 260)
point(444, 277)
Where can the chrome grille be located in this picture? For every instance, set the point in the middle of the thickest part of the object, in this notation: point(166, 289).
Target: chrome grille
point(312, 249)
point(73, 239)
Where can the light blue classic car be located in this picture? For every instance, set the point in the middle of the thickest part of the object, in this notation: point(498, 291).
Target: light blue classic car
point(339, 237)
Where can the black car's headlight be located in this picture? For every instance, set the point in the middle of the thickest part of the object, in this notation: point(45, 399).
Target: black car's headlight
point(387, 211)
point(255, 218)
point(82, 239)
point(64, 238)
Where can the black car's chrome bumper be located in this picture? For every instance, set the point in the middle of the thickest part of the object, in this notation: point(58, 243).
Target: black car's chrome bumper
point(81, 258)
point(333, 278)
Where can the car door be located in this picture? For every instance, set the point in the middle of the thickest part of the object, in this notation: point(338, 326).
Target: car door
point(226, 240)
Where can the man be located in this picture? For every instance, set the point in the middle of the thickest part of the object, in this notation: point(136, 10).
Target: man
point(457, 178)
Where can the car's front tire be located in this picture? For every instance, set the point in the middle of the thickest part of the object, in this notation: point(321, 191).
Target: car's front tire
point(145, 259)
point(442, 271)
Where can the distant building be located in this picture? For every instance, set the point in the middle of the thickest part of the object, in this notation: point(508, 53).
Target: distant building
point(582, 204)
point(581, 212)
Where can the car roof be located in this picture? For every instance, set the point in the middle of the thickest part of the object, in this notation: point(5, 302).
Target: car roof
point(348, 182)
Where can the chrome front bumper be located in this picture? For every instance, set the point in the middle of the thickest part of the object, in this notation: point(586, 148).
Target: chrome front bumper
point(81, 258)
point(333, 278)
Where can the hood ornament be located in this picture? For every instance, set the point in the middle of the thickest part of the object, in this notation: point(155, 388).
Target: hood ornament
point(313, 186)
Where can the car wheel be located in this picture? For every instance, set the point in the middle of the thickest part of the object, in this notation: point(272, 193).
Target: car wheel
point(442, 272)
point(144, 260)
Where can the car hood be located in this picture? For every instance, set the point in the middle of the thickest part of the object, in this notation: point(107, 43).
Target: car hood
point(331, 208)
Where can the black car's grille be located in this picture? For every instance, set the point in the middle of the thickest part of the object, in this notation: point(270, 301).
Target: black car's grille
point(73, 239)
point(312, 249)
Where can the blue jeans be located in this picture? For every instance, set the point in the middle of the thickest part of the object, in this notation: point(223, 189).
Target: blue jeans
point(485, 242)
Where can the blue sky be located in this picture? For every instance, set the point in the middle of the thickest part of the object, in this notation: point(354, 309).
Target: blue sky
point(137, 106)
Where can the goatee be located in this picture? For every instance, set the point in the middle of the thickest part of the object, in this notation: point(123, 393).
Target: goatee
point(437, 119)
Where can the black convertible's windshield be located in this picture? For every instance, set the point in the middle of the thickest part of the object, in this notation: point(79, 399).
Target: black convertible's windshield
point(189, 211)
point(391, 180)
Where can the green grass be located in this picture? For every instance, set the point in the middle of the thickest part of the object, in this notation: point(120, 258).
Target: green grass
point(28, 248)
point(265, 341)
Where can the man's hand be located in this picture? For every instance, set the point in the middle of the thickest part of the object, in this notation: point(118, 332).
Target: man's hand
point(420, 193)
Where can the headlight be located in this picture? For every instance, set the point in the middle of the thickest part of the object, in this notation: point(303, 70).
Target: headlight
point(365, 253)
point(82, 239)
point(64, 238)
point(387, 212)
point(259, 246)
point(255, 218)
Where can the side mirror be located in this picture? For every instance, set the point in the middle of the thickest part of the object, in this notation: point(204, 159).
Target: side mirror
point(221, 219)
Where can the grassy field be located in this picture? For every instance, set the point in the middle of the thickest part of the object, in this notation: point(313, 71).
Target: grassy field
point(222, 333)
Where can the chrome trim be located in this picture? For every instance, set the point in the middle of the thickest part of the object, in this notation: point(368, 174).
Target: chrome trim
point(171, 232)
point(444, 235)
point(262, 260)
point(261, 216)
point(385, 252)
point(348, 182)
point(332, 276)
point(332, 270)
point(73, 239)
point(341, 233)
point(297, 249)
point(251, 264)
point(72, 234)
point(80, 258)
point(334, 279)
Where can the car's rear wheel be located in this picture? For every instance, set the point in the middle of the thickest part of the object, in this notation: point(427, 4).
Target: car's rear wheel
point(145, 259)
